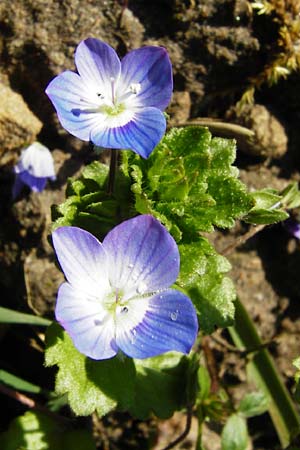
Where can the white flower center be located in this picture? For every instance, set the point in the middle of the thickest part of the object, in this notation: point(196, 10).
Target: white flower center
point(115, 102)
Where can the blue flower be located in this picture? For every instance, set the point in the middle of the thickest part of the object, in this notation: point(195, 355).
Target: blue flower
point(33, 169)
point(117, 294)
point(115, 104)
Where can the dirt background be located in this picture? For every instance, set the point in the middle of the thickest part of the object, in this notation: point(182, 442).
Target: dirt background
point(218, 50)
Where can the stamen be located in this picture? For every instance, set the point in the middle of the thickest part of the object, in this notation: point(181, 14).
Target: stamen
point(112, 80)
point(135, 88)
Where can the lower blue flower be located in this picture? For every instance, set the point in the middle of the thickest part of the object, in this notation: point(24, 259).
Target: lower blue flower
point(117, 294)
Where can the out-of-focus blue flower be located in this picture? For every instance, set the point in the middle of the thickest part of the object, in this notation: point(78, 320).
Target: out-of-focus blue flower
point(293, 227)
point(117, 294)
point(35, 166)
point(115, 104)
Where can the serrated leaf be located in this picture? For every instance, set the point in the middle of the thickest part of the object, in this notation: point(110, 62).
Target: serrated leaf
point(91, 385)
point(89, 206)
point(202, 277)
point(189, 180)
point(235, 434)
point(36, 431)
point(140, 386)
point(254, 404)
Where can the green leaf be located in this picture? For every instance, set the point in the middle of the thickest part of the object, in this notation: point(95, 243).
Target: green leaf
point(160, 385)
point(254, 404)
point(19, 383)
point(291, 196)
point(36, 431)
point(202, 277)
point(91, 385)
point(270, 205)
point(189, 182)
point(140, 386)
point(204, 383)
point(10, 316)
point(89, 206)
point(235, 434)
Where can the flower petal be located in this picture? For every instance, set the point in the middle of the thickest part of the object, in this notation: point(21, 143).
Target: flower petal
point(97, 63)
point(141, 134)
point(37, 161)
point(151, 68)
point(143, 256)
point(36, 184)
point(155, 325)
point(90, 327)
point(82, 259)
point(75, 104)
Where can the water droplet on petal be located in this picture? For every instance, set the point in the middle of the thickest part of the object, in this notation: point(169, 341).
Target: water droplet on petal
point(124, 310)
point(97, 322)
point(174, 315)
point(133, 336)
point(130, 266)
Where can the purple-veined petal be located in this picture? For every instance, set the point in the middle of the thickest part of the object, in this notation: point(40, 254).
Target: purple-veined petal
point(141, 134)
point(75, 104)
point(152, 69)
point(157, 324)
point(97, 63)
point(91, 328)
point(83, 260)
point(143, 256)
point(37, 161)
point(36, 184)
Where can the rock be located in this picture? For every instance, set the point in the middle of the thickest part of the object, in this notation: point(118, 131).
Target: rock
point(180, 108)
point(18, 125)
point(270, 139)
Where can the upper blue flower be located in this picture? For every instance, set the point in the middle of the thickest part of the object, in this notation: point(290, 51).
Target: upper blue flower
point(115, 104)
point(117, 293)
point(35, 166)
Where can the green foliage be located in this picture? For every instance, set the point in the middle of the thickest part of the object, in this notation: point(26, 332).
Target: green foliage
point(253, 404)
point(89, 206)
point(189, 183)
point(235, 434)
point(202, 277)
point(270, 205)
point(36, 431)
point(139, 386)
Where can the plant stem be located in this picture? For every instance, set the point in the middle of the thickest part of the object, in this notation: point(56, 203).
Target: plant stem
point(31, 404)
point(242, 239)
point(262, 370)
point(186, 430)
point(113, 166)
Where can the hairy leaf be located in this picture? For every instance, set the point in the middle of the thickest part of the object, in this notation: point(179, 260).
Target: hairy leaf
point(202, 277)
point(140, 386)
point(89, 206)
point(189, 182)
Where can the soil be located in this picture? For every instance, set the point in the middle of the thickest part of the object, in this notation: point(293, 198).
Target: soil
point(217, 48)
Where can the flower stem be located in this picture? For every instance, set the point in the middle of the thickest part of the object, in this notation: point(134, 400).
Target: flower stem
point(114, 154)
